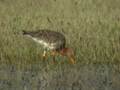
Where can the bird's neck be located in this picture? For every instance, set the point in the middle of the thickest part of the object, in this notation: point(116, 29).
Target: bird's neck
point(64, 51)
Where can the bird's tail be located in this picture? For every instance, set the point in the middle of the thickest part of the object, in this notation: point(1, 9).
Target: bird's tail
point(24, 32)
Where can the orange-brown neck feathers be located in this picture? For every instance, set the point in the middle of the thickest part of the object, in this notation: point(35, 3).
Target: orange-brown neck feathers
point(69, 53)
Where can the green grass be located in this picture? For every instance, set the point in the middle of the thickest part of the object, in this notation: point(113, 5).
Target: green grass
point(91, 27)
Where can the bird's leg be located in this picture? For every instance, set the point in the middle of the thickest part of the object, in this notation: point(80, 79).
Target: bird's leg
point(53, 53)
point(44, 55)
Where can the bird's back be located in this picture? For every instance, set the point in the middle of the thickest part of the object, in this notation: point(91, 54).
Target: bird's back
point(48, 36)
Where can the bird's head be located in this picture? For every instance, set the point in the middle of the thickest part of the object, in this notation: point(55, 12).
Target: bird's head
point(69, 53)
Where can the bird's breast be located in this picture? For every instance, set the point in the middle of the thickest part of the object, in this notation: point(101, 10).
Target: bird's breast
point(45, 44)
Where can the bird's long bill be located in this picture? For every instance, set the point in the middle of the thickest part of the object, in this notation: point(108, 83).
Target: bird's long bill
point(72, 60)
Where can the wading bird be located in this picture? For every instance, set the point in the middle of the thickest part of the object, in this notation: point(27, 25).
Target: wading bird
point(52, 41)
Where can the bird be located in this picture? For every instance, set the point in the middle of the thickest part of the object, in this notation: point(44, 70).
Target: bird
point(52, 41)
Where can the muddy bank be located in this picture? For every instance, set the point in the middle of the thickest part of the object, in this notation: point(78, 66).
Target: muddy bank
point(86, 77)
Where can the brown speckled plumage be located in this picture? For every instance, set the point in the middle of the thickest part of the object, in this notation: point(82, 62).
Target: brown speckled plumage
point(50, 37)
point(53, 41)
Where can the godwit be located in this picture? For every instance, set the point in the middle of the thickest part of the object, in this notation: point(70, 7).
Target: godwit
point(52, 41)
